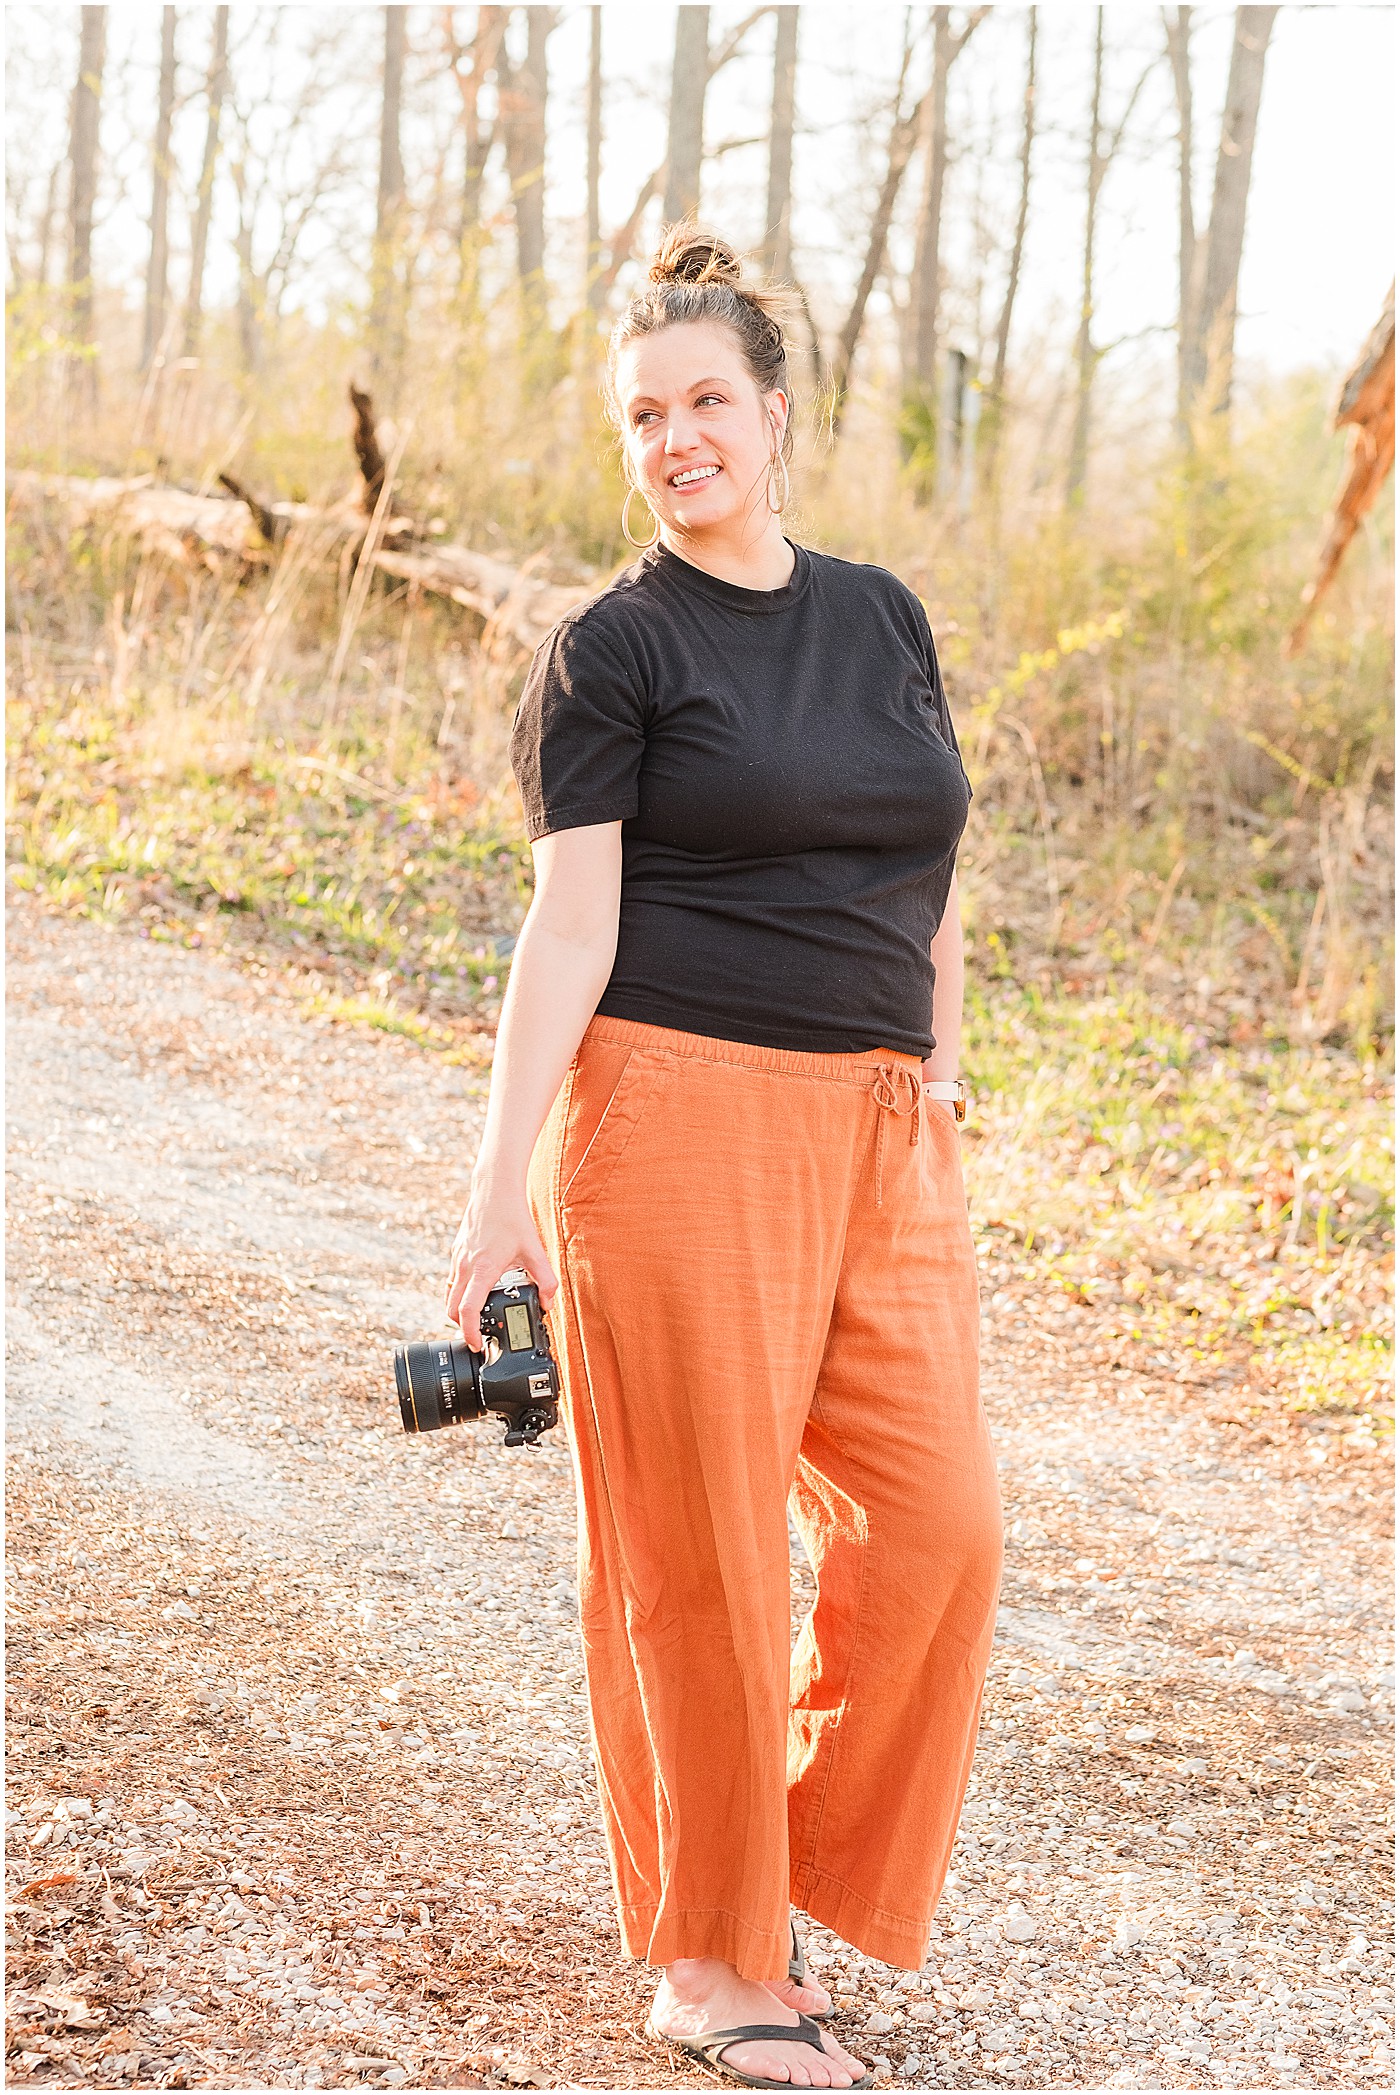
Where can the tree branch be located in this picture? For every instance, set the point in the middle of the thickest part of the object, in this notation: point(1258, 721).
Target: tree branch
point(730, 47)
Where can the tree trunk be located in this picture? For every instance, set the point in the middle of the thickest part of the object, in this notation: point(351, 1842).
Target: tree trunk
point(477, 138)
point(249, 296)
point(994, 411)
point(523, 96)
point(389, 200)
point(924, 317)
point(685, 133)
point(1084, 357)
point(157, 266)
point(777, 240)
point(82, 155)
point(199, 240)
point(1187, 248)
point(593, 259)
point(47, 221)
point(1212, 338)
point(903, 135)
point(920, 419)
point(385, 314)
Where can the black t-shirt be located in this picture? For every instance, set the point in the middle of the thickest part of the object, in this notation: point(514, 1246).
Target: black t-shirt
point(791, 796)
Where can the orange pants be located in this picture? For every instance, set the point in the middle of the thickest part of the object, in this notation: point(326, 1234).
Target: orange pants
point(767, 1288)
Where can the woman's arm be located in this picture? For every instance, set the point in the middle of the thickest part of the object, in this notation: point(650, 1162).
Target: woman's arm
point(946, 953)
point(559, 969)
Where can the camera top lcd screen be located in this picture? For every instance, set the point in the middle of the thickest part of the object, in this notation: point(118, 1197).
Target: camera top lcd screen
point(519, 1336)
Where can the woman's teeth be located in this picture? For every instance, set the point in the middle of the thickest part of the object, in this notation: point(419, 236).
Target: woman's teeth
point(696, 473)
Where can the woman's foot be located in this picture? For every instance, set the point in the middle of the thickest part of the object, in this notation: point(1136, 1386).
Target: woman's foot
point(700, 1994)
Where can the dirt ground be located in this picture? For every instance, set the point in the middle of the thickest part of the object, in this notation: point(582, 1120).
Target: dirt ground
point(300, 1787)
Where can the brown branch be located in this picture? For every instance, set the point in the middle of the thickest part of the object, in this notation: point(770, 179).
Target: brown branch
point(730, 47)
point(621, 245)
point(366, 442)
point(262, 516)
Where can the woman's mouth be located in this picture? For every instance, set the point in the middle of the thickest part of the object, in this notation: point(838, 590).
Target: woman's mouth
point(693, 476)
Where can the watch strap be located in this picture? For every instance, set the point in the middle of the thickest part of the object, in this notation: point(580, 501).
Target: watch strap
point(948, 1091)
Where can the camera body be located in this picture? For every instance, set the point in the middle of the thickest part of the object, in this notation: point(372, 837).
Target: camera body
point(442, 1382)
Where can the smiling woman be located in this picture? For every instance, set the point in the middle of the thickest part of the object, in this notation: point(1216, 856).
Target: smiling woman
point(718, 1140)
point(705, 443)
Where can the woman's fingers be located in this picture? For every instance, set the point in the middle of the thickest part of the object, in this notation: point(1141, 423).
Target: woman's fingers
point(535, 1260)
point(471, 1300)
point(474, 1276)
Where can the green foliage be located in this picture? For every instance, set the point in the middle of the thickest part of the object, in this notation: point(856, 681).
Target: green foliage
point(1231, 1203)
point(1175, 881)
point(116, 819)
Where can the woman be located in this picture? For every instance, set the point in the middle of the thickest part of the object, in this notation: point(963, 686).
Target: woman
point(721, 1138)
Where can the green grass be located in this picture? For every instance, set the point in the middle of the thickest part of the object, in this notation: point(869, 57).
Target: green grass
point(1228, 1206)
point(199, 838)
point(1161, 1147)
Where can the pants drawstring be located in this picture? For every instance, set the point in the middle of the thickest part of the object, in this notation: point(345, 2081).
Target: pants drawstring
point(897, 1090)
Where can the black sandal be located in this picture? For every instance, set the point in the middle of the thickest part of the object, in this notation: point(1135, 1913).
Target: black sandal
point(709, 2047)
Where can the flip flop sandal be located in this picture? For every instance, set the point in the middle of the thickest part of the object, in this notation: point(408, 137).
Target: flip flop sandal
point(798, 1973)
point(709, 2047)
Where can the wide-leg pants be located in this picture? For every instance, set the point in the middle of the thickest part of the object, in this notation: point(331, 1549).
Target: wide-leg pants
point(768, 1295)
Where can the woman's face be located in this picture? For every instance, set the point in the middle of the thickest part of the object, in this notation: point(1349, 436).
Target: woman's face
point(699, 434)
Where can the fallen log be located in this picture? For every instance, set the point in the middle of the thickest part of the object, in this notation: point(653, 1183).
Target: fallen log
point(206, 530)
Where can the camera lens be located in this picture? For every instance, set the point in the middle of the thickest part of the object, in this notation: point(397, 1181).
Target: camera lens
point(437, 1383)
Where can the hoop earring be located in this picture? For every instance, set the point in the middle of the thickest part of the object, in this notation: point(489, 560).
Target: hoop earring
point(642, 544)
point(781, 504)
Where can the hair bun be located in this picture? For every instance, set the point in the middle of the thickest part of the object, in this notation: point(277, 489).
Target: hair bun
point(689, 255)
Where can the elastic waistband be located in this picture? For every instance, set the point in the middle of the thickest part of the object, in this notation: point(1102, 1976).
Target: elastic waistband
point(852, 1068)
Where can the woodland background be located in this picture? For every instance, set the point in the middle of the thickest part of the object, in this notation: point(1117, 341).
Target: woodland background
point(261, 684)
point(301, 1789)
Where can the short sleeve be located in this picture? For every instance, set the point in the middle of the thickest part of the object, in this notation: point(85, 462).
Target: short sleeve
point(942, 711)
point(578, 738)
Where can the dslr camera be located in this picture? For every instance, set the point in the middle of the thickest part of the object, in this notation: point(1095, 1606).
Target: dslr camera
point(442, 1382)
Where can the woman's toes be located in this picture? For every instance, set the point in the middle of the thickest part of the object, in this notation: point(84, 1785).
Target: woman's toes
point(808, 1999)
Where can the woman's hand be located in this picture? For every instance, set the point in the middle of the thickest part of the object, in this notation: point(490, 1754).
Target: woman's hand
point(496, 1232)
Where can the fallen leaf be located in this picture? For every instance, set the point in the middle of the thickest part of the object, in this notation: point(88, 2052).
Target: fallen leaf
point(73, 2013)
point(52, 1882)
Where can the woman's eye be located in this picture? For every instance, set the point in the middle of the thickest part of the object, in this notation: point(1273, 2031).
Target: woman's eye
point(718, 399)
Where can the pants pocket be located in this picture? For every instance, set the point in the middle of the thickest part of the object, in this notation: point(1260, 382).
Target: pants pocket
point(606, 1105)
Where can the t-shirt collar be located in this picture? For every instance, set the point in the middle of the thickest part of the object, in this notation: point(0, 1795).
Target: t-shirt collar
point(754, 603)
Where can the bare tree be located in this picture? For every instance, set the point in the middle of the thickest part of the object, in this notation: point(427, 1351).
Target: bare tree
point(158, 264)
point(471, 67)
point(386, 302)
point(904, 131)
point(1103, 148)
point(1210, 331)
point(1177, 22)
point(777, 236)
point(204, 203)
point(49, 218)
point(523, 93)
point(625, 239)
point(948, 43)
point(82, 158)
point(685, 132)
point(593, 252)
point(994, 409)
point(289, 170)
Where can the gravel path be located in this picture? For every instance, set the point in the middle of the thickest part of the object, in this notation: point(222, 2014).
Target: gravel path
point(300, 1788)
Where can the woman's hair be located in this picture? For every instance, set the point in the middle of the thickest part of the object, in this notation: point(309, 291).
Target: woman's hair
point(694, 275)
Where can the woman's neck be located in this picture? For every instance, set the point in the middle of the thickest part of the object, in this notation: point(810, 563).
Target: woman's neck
point(764, 563)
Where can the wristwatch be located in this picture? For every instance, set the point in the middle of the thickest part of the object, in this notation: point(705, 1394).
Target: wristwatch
point(950, 1091)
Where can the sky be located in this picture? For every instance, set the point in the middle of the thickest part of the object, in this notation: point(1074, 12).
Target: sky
point(1320, 241)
